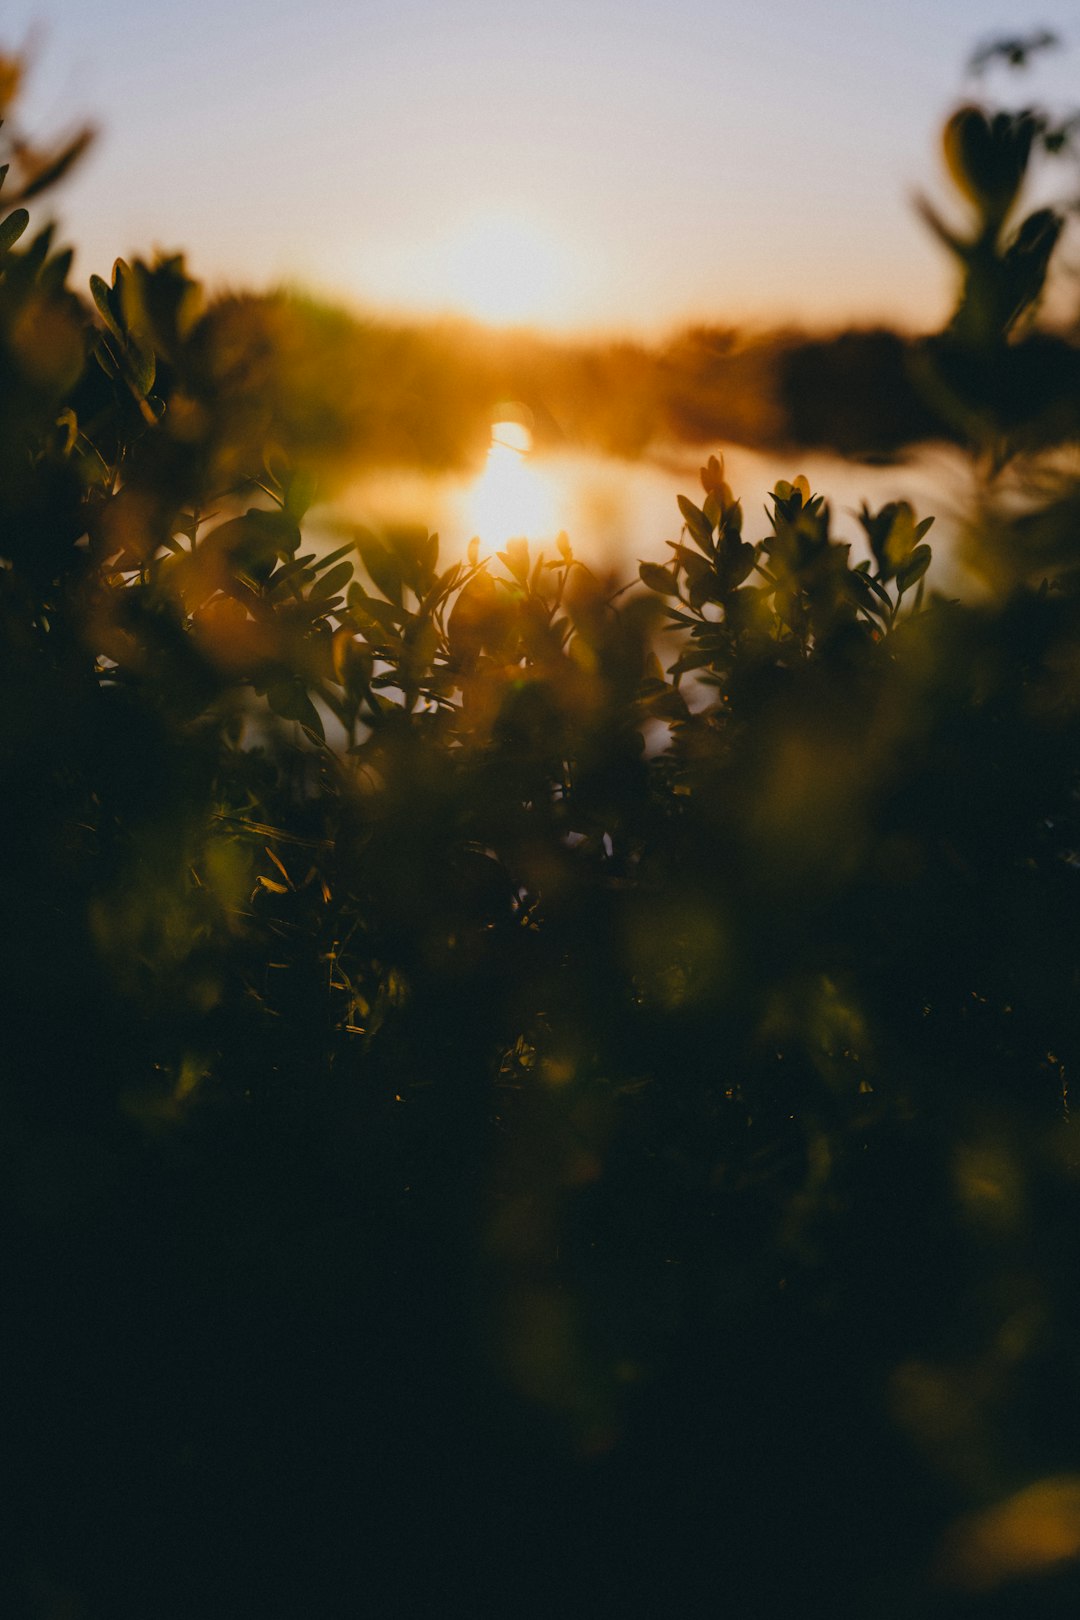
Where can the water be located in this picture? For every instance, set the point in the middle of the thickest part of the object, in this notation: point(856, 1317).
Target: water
point(618, 513)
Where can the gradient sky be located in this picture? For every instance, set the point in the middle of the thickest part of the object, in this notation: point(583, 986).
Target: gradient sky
point(618, 164)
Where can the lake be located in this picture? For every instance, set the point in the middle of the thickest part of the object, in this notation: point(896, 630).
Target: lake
point(617, 513)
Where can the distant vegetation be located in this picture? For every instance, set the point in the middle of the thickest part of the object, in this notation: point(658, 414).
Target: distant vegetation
point(347, 394)
point(526, 1095)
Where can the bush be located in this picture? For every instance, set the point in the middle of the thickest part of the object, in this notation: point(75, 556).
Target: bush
point(522, 1093)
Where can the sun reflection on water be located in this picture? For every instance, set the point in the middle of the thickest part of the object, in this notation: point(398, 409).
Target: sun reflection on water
point(617, 513)
point(512, 498)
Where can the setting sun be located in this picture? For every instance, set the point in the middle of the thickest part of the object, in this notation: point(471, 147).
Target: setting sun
point(499, 267)
point(505, 268)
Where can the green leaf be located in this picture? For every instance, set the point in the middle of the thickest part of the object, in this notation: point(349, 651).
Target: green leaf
point(55, 167)
point(382, 565)
point(384, 614)
point(142, 365)
point(664, 702)
point(746, 610)
point(294, 574)
point(12, 228)
point(55, 273)
point(101, 293)
point(537, 579)
point(289, 700)
point(105, 357)
point(331, 583)
point(695, 658)
point(299, 489)
point(735, 563)
point(515, 559)
point(429, 561)
point(334, 556)
point(873, 585)
point(688, 559)
point(867, 593)
point(914, 569)
point(700, 579)
point(698, 524)
point(658, 579)
point(37, 251)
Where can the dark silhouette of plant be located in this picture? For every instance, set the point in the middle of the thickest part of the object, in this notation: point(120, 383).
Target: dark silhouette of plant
point(524, 1094)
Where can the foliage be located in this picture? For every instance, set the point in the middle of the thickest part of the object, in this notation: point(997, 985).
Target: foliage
point(507, 1075)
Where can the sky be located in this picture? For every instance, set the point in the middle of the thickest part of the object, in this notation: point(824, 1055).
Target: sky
point(582, 165)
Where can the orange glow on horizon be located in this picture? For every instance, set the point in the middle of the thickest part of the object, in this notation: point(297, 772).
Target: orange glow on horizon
point(497, 266)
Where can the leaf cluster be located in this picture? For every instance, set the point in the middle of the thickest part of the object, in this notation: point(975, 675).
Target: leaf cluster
point(445, 986)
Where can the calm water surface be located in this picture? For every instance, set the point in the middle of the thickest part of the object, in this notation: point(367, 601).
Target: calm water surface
point(617, 513)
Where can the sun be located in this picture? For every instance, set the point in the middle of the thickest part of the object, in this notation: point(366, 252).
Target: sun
point(500, 265)
point(503, 267)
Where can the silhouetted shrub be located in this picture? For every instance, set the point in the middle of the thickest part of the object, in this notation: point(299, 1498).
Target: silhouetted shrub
point(521, 1095)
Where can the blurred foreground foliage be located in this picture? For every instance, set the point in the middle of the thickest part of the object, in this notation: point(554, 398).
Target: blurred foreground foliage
point(522, 1096)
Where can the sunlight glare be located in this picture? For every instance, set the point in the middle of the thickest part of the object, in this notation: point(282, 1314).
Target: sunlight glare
point(512, 499)
point(505, 268)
